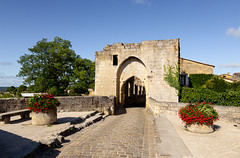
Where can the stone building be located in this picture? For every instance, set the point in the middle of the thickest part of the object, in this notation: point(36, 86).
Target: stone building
point(188, 67)
point(229, 78)
point(236, 76)
point(134, 72)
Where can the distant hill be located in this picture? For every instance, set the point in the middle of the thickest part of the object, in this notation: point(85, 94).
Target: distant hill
point(3, 89)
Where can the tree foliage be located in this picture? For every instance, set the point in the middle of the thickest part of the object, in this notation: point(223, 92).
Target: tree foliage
point(22, 88)
point(11, 89)
point(84, 75)
point(53, 67)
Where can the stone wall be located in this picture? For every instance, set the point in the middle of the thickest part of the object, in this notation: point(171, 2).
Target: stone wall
point(236, 76)
point(12, 104)
point(68, 103)
point(87, 103)
point(116, 63)
point(193, 67)
point(227, 113)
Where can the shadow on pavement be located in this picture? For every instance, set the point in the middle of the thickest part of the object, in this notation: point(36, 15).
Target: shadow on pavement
point(12, 145)
point(120, 111)
point(19, 121)
point(216, 127)
point(68, 119)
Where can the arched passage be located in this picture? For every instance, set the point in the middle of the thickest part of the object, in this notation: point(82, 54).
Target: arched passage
point(132, 83)
point(133, 92)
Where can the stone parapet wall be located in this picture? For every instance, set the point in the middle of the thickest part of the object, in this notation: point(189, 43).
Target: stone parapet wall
point(87, 103)
point(227, 113)
point(12, 104)
point(68, 103)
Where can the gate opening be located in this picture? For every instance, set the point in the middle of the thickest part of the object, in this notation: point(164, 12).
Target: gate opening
point(133, 93)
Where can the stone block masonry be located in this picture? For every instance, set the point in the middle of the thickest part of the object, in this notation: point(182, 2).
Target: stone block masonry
point(68, 103)
point(144, 62)
point(87, 103)
point(12, 104)
point(227, 113)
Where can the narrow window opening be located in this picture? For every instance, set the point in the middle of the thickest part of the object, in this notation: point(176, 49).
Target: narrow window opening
point(115, 60)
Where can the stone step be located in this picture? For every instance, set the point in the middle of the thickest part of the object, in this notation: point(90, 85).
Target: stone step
point(55, 139)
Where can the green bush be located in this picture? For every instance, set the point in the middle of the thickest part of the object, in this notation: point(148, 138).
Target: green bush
point(234, 86)
point(217, 84)
point(198, 80)
point(193, 95)
point(7, 95)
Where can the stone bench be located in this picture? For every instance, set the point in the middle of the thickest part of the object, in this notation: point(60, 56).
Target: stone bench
point(5, 117)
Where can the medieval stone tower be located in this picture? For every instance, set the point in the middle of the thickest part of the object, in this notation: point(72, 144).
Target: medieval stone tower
point(134, 72)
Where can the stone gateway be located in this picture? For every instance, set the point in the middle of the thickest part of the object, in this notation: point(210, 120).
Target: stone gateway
point(134, 72)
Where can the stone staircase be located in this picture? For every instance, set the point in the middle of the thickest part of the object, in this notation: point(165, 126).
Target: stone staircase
point(74, 125)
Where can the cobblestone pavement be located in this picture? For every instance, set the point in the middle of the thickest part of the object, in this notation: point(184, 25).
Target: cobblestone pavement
point(132, 134)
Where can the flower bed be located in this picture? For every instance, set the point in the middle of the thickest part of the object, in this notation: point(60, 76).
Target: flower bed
point(42, 103)
point(44, 109)
point(200, 114)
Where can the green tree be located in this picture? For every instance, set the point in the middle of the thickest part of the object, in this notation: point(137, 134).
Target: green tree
point(22, 88)
point(11, 89)
point(84, 76)
point(49, 66)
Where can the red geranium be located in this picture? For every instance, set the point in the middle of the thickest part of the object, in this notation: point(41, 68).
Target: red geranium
point(200, 113)
point(42, 103)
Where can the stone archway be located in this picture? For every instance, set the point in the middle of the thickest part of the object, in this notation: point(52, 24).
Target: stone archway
point(118, 62)
point(133, 92)
point(131, 83)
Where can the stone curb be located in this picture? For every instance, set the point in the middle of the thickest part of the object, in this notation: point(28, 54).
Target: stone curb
point(55, 139)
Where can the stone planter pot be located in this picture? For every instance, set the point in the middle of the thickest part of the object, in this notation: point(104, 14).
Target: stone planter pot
point(42, 118)
point(202, 129)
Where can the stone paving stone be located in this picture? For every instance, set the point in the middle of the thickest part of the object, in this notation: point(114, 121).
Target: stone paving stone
point(132, 134)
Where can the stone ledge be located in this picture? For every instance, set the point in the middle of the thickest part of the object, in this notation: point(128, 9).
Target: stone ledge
point(56, 139)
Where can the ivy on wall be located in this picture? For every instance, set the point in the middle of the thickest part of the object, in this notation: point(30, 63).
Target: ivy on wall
point(172, 75)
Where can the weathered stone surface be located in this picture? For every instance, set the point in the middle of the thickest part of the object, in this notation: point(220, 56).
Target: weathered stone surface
point(202, 129)
point(86, 103)
point(144, 61)
point(192, 67)
point(12, 104)
point(114, 137)
point(69, 103)
point(52, 141)
point(228, 113)
point(44, 118)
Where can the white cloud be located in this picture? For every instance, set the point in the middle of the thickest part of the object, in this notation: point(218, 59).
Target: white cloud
point(233, 32)
point(143, 2)
point(231, 65)
point(6, 81)
point(139, 1)
point(4, 63)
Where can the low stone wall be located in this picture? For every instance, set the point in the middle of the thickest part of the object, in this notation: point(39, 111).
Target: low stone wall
point(87, 103)
point(227, 113)
point(12, 104)
point(68, 103)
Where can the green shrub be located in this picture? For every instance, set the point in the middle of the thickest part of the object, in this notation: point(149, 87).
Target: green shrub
point(234, 86)
point(217, 84)
point(7, 95)
point(198, 80)
point(193, 95)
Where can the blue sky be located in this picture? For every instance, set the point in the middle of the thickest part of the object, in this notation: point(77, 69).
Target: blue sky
point(209, 30)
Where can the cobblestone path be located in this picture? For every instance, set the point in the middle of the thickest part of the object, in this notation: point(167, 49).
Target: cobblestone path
point(132, 134)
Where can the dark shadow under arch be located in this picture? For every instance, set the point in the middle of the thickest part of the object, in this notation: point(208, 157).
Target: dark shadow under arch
point(121, 67)
point(133, 93)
